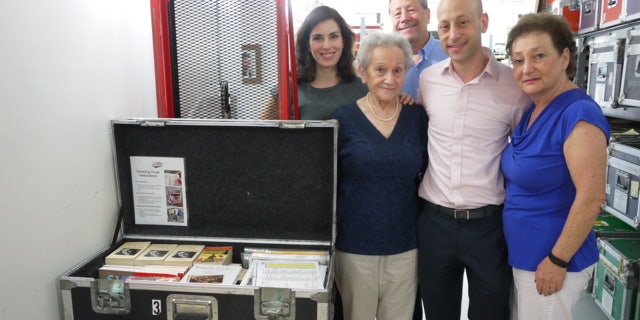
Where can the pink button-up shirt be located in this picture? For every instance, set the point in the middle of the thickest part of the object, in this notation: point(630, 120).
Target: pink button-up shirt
point(469, 126)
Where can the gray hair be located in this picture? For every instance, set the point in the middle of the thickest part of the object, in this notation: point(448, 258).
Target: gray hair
point(423, 4)
point(386, 40)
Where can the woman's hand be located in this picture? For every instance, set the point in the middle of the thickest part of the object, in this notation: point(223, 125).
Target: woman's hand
point(549, 277)
point(406, 99)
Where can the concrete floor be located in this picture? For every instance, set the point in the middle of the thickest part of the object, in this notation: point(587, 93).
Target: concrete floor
point(587, 309)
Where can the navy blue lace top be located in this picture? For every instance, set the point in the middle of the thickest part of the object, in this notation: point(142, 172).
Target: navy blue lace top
point(377, 200)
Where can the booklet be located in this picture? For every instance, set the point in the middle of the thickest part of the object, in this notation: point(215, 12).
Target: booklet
point(289, 274)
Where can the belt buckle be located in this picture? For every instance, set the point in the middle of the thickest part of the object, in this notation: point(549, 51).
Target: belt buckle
point(460, 214)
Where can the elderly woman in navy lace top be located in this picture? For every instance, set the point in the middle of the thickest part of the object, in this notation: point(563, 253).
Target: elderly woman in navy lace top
point(381, 150)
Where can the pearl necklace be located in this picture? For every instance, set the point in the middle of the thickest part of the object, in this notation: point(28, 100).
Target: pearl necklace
point(395, 113)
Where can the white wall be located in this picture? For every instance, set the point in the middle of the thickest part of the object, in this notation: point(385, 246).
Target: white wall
point(66, 68)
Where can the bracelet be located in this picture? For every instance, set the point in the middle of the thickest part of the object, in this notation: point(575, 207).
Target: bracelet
point(557, 261)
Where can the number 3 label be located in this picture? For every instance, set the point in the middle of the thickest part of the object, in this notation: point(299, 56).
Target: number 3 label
point(156, 307)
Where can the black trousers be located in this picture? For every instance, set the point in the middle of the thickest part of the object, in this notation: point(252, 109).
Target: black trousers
point(448, 247)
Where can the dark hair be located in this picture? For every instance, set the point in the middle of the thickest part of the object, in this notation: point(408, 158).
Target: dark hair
point(555, 26)
point(306, 65)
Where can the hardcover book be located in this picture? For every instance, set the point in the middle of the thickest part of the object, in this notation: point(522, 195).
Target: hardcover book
point(215, 255)
point(183, 255)
point(154, 254)
point(127, 253)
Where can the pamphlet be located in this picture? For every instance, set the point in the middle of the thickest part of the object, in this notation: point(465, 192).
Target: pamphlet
point(289, 274)
point(159, 194)
point(213, 273)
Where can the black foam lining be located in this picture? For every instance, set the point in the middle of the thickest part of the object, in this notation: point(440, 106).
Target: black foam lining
point(240, 181)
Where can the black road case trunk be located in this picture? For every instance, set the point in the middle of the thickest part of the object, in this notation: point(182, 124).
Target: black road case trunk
point(246, 184)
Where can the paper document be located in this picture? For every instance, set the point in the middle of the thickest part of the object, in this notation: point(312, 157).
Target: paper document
point(159, 194)
point(289, 274)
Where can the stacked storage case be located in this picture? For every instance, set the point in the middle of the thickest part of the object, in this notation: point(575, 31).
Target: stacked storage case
point(630, 91)
point(612, 13)
point(589, 15)
point(605, 63)
point(615, 287)
point(615, 12)
point(570, 10)
point(609, 48)
point(609, 226)
point(615, 280)
point(613, 59)
point(623, 183)
point(633, 10)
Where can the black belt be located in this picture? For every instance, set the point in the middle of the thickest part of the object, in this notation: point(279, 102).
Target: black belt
point(477, 213)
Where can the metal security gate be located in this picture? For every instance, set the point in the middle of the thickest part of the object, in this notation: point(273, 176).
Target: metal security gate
point(216, 47)
point(211, 38)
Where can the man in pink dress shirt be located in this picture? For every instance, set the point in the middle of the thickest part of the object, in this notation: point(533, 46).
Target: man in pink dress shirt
point(473, 104)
